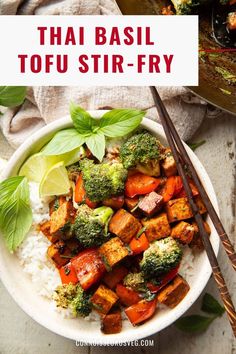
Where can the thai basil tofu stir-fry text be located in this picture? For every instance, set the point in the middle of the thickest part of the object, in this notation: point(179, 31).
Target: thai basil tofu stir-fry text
point(117, 238)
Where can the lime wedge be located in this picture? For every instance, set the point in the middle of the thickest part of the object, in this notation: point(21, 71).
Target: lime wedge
point(55, 181)
point(38, 164)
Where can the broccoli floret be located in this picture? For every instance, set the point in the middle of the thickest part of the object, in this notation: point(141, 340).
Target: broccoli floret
point(160, 257)
point(103, 180)
point(91, 225)
point(73, 297)
point(142, 151)
point(73, 171)
point(186, 7)
point(135, 281)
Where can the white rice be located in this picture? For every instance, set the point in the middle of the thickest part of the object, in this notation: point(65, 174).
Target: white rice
point(33, 251)
point(33, 256)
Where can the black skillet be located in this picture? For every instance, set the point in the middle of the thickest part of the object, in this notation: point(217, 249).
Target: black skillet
point(216, 85)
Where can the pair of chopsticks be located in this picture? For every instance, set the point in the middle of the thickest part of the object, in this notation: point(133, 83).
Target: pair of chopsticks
point(183, 162)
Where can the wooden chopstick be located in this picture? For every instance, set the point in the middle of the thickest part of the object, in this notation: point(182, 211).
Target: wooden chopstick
point(229, 249)
point(164, 117)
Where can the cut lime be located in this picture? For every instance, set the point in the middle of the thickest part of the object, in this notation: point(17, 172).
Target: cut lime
point(38, 164)
point(55, 181)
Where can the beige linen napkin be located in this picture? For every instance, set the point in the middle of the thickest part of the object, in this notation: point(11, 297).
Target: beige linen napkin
point(45, 104)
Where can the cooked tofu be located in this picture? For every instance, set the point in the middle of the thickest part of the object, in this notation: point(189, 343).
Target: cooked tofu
point(151, 203)
point(56, 250)
point(157, 227)
point(62, 216)
point(112, 322)
point(124, 225)
point(197, 240)
point(168, 164)
point(173, 293)
point(55, 204)
point(103, 299)
point(183, 231)
point(111, 279)
point(231, 21)
point(200, 204)
point(45, 229)
point(178, 209)
point(112, 252)
point(131, 203)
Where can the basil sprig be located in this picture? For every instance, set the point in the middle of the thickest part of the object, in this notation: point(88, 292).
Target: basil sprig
point(93, 132)
point(11, 96)
point(199, 323)
point(15, 211)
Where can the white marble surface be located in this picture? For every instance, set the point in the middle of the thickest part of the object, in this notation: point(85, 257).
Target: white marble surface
point(21, 335)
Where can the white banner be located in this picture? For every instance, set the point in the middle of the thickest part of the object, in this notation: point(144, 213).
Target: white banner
point(99, 50)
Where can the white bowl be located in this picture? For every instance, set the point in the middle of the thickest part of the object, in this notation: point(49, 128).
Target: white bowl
point(20, 287)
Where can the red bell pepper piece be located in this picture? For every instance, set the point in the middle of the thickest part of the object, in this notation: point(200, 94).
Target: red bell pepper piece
point(127, 296)
point(111, 279)
point(68, 274)
point(141, 311)
point(195, 192)
point(89, 267)
point(139, 245)
point(165, 279)
point(139, 184)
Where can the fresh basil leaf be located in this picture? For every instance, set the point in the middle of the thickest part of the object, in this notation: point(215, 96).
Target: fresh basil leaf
point(64, 141)
point(15, 211)
point(194, 323)
point(194, 146)
point(119, 122)
point(211, 305)
point(82, 120)
point(16, 220)
point(16, 187)
point(96, 144)
point(11, 96)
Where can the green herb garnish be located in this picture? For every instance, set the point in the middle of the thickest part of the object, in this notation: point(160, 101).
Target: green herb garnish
point(15, 211)
point(198, 323)
point(92, 132)
point(194, 146)
point(11, 96)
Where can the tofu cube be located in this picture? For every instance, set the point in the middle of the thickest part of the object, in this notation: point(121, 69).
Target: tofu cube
point(197, 240)
point(45, 229)
point(183, 231)
point(55, 204)
point(56, 251)
point(151, 203)
point(173, 293)
point(103, 299)
point(124, 225)
point(112, 322)
point(131, 203)
point(178, 209)
point(112, 252)
point(157, 227)
point(61, 217)
point(201, 206)
point(168, 164)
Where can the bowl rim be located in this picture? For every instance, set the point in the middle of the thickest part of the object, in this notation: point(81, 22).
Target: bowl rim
point(139, 332)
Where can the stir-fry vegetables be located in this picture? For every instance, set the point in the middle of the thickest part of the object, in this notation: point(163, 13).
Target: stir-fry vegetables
point(117, 238)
